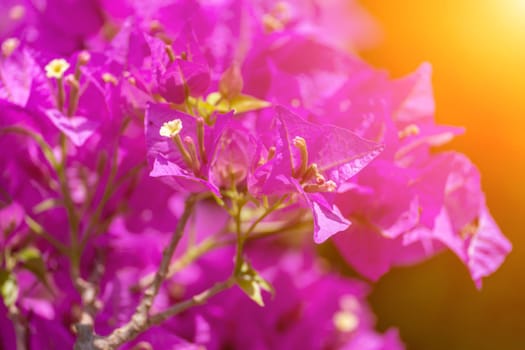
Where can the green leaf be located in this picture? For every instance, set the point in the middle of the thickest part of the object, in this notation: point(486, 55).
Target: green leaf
point(27, 254)
point(204, 108)
point(265, 285)
point(240, 103)
point(31, 260)
point(44, 146)
point(8, 287)
point(246, 103)
point(213, 99)
point(252, 290)
point(33, 225)
point(251, 282)
point(47, 204)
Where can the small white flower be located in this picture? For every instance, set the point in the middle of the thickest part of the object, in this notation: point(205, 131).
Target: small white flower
point(171, 128)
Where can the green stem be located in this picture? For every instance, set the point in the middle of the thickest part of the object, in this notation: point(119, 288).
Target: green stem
point(267, 212)
point(68, 201)
point(106, 196)
point(195, 300)
point(44, 146)
point(112, 185)
point(240, 237)
point(141, 320)
point(191, 255)
point(37, 229)
point(61, 94)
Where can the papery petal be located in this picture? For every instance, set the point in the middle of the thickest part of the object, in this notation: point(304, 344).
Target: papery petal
point(165, 158)
point(487, 249)
point(77, 128)
point(19, 72)
point(328, 219)
point(180, 178)
point(339, 153)
point(413, 96)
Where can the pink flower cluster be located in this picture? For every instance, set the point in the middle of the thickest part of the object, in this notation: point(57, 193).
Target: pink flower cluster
point(114, 115)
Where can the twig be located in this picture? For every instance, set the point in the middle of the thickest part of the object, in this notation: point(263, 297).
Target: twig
point(85, 334)
point(187, 258)
point(198, 299)
point(90, 306)
point(210, 244)
point(267, 212)
point(69, 205)
point(21, 331)
point(139, 321)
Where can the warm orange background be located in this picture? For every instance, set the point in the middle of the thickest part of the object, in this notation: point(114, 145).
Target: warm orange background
point(477, 49)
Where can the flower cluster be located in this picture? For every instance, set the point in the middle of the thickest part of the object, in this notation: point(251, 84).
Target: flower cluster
point(157, 154)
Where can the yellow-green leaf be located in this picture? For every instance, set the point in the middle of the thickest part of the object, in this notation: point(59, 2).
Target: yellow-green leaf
point(8, 287)
point(265, 285)
point(239, 103)
point(33, 225)
point(30, 259)
point(245, 103)
point(251, 282)
point(47, 204)
point(252, 289)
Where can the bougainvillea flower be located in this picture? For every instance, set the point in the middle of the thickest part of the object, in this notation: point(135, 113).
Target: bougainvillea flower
point(473, 235)
point(69, 97)
point(181, 147)
point(81, 114)
point(276, 71)
point(382, 207)
point(315, 160)
point(113, 112)
point(20, 72)
point(52, 27)
point(179, 67)
point(326, 20)
point(451, 213)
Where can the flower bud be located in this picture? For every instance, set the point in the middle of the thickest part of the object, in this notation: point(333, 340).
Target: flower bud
point(231, 82)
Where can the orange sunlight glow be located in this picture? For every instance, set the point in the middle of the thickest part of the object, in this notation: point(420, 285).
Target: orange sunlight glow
point(477, 50)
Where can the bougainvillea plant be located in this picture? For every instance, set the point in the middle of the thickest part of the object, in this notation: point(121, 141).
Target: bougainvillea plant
point(169, 167)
